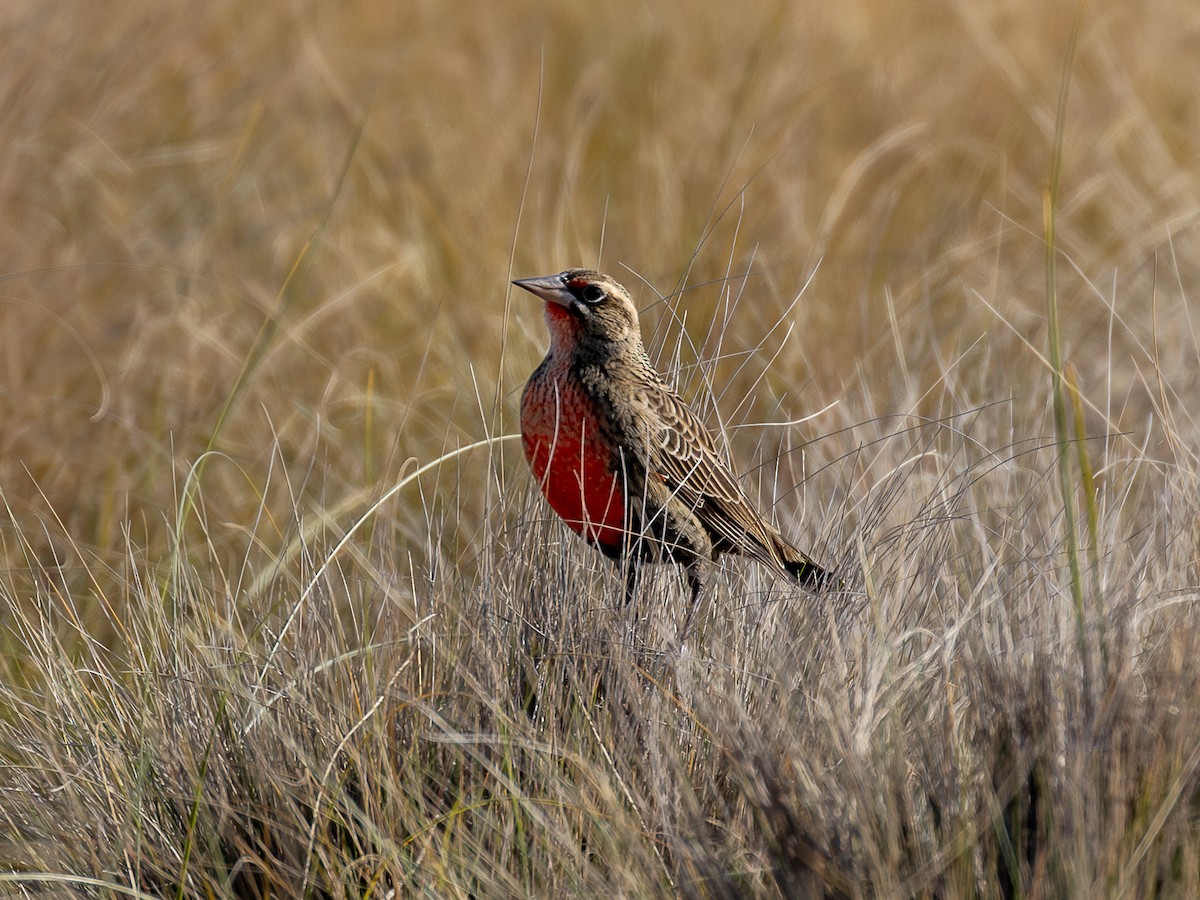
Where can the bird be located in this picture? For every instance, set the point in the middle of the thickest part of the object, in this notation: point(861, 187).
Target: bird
point(622, 459)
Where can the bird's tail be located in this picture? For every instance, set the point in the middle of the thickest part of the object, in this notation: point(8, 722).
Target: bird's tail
point(803, 569)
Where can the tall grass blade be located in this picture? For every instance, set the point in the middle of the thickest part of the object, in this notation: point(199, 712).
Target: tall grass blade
point(1063, 431)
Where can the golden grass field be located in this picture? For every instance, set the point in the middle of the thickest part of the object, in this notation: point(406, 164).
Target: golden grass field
point(282, 613)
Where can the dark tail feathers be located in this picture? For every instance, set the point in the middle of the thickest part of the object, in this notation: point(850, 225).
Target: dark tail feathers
point(804, 570)
point(811, 575)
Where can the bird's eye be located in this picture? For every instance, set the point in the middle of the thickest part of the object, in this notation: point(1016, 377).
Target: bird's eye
point(592, 294)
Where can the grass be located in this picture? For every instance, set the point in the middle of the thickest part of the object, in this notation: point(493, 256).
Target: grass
point(281, 613)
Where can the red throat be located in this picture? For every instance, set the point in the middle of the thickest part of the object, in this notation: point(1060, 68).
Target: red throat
point(563, 327)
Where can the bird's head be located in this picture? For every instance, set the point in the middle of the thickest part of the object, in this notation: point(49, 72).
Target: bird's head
point(585, 306)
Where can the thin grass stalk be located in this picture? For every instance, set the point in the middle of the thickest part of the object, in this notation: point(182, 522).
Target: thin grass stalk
point(112, 888)
point(1062, 429)
point(1091, 508)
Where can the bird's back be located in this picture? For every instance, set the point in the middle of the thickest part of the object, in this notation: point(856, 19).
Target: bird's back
point(686, 459)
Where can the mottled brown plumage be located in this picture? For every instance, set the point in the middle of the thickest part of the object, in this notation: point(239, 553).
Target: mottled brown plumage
point(620, 456)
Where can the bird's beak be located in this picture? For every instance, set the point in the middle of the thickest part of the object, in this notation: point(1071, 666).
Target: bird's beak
point(549, 288)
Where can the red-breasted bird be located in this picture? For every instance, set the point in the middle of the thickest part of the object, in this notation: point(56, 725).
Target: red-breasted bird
point(618, 454)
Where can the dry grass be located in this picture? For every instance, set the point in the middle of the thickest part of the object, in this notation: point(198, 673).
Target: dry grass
point(253, 273)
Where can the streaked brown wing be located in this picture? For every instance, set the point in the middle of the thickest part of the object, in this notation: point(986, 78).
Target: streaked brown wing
point(690, 465)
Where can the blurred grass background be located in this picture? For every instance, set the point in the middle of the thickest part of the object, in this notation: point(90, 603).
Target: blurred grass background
point(309, 214)
point(165, 169)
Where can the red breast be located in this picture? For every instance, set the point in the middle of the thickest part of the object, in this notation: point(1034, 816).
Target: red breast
point(571, 460)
